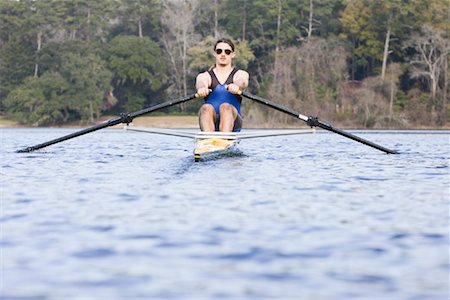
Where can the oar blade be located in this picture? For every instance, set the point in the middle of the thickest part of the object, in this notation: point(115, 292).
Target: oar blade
point(315, 122)
point(108, 123)
point(328, 127)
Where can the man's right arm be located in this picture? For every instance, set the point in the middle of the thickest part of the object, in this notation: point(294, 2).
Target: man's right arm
point(202, 84)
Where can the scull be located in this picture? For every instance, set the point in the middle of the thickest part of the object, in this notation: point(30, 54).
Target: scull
point(127, 118)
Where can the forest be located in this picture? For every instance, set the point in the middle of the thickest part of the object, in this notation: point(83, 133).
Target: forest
point(357, 63)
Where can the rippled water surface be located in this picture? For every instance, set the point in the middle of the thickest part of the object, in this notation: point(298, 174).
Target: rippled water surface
point(123, 215)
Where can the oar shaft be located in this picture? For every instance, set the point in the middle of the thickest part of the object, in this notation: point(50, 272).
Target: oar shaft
point(276, 106)
point(125, 118)
point(162, 105)
point(314, 121)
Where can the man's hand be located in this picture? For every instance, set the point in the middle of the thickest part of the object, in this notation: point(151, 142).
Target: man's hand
point(240, 82)
point(202, 83)
point(203, 92)
point(233, 88)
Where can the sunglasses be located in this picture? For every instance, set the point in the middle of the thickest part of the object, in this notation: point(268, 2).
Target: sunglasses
point(227, 51)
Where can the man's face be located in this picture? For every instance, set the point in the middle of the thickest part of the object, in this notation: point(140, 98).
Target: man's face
point(223, 54)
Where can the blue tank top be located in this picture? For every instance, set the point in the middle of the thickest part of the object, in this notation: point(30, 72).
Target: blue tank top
point(221, 95)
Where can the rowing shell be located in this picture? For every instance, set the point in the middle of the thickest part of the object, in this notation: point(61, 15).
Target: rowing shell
point(212, 143)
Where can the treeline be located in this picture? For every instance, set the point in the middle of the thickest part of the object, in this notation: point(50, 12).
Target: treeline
point(360, 63)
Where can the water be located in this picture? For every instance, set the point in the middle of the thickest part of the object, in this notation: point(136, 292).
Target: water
point(123, 215)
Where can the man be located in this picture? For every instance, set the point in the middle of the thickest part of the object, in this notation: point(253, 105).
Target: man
point(220, 86)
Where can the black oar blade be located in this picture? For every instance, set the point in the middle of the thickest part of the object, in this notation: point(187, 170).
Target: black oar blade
point(111, 122)
point(328, 127)
point(125, 118)
point(315, 122)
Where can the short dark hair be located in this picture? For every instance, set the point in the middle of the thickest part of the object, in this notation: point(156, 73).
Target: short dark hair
point(226, 41)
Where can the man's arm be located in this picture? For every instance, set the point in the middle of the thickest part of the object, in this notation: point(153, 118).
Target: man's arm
point(240, 82)
point(202, 83)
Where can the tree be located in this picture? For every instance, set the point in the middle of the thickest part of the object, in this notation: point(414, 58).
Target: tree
point(38, 101)
point(30, 20)
point(393, 77)
point(310, 75)
point(12, 18)
point(372, 25)
point(431, 54)
point(89, 80)
point(85, 19)
point(438, 17)
point(49, 38)
point(136, 13)
point(42, 20)
point(138, 68)
point(233, 18)
point(178, 36)
point(16, 63)
point(319, 16)
point(399, 19)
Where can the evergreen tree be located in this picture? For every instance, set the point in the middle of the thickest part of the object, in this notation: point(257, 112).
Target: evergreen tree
point(138, 69)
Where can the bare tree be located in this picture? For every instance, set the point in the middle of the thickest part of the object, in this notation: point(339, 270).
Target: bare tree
point(311, 20)
point(386, 52)
point(432, 51)
point(277, 42)
point(395, 71)
point(244, 19)
point(178, 35)
point(309, 76)
point(135, 12)
point(38, 49)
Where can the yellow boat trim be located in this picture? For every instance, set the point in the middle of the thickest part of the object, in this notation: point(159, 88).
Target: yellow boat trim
point(210, 145)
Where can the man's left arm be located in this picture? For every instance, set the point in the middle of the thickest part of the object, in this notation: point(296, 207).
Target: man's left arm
point(240, 82)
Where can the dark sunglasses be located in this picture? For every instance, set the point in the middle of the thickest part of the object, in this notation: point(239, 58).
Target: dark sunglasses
point(227, 51)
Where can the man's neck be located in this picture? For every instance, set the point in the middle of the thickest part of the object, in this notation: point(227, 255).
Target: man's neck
point(223, 68)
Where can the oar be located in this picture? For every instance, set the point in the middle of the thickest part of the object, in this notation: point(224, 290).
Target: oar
point(314, 121)
point(124, 118)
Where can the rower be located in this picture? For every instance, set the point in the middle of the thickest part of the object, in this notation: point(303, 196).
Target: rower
point(220, 86)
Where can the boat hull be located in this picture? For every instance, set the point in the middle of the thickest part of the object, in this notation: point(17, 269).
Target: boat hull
point(212, 146)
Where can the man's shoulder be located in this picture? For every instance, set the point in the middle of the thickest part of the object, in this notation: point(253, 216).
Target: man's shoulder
point(241, 72)
point(204, 73)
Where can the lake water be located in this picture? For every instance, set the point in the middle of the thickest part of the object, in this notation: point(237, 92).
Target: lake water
point(125, 215)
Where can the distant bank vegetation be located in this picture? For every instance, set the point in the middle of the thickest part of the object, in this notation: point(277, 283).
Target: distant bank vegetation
point(358, 63)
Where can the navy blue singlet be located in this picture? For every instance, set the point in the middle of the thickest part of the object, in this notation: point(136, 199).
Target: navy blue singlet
point(221, 95)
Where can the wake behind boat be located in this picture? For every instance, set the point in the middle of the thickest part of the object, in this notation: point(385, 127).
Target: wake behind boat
point(216, 142)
